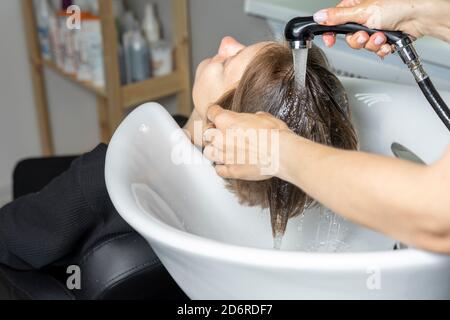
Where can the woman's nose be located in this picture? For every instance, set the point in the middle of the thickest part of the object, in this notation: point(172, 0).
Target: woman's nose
point(229, 47)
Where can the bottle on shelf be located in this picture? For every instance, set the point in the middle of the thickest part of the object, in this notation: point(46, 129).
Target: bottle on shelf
point(160, 51)
point(90, 46)
point(128, 23)
point(150, 24)
point(43, 14)
point(139, 56)
point(162, 58)
point(119, 12)
point(67, 39)
point(55, 39)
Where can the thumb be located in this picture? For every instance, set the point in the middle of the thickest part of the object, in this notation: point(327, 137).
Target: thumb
point(336, 16)
point(221, 118)
point(213, 111)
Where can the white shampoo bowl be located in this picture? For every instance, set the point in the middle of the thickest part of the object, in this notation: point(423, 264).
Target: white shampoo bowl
point(217, 249)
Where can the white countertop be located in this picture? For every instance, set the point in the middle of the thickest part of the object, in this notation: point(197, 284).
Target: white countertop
point(430, 50)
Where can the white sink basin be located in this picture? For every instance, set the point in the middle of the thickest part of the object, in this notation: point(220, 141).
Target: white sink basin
point(216, 249)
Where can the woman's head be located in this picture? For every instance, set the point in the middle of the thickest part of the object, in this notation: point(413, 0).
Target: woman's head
point(221, 73)
point(261, 78)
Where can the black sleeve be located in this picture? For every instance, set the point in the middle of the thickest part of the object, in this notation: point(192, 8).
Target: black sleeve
point(39, 229)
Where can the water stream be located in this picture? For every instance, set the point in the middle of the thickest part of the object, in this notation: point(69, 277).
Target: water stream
point(300, 64)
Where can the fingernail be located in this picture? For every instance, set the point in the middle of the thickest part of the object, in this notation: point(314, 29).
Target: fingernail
point(379, 40)
point(321, 16)
point(361, 40)
point(386, 49)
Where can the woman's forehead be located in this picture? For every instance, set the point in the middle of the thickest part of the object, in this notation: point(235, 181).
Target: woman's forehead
point(258, 46)
point(249, 52)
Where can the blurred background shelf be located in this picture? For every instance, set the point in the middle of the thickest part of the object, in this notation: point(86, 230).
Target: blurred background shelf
point(151, 89)
point(114, 100)
point(85, 84)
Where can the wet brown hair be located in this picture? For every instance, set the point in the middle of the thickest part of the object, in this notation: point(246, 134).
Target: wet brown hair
point(318, 112)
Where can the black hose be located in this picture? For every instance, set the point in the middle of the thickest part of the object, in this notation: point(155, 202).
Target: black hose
point(435, 100)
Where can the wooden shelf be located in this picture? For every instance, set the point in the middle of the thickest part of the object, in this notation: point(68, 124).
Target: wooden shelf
point(151, 89)
point(132, 94)
point(114, 98)
point(85, 84)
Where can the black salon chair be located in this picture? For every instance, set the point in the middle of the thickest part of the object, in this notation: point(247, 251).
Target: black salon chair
point(121, 267)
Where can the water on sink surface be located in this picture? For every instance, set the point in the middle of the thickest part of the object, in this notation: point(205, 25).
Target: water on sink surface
point(278, 241)
point(327, 235)
point(318, 230)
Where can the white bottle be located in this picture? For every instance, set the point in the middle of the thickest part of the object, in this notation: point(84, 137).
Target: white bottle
point(160, 51)
point(43, 14)
point(150, 25)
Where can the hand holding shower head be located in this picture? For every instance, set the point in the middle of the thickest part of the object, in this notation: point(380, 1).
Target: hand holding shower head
point(300, 33)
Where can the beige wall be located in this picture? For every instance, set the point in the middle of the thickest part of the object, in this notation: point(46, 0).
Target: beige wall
point(18, 128)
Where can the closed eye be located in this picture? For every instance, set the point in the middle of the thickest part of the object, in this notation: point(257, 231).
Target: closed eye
point(228, 60)
point(225, 62)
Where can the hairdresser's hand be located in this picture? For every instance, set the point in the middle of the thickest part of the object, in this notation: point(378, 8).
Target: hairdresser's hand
point(244, 146)
point(398, 15)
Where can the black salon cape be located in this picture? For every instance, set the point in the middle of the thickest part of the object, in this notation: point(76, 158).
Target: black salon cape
point(62, 221)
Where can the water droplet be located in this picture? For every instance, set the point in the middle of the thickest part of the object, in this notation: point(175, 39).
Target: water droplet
point(144, 128)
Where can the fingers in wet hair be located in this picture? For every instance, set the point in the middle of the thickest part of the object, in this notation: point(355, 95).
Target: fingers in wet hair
point(232, 171)
point(224, 172)
point(210, 133)
point(213, 154)
point(221, 118)
point(212, 112)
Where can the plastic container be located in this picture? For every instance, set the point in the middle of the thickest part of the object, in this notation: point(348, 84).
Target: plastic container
point(67, 40)
point(162, 58)
point(43, 14)
point(55, 42)
point(91, 66)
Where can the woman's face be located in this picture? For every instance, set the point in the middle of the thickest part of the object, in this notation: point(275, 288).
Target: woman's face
point(218, 75)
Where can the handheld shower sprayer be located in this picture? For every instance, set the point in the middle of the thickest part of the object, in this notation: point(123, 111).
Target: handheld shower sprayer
point(300, 33)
